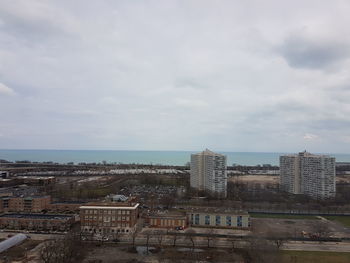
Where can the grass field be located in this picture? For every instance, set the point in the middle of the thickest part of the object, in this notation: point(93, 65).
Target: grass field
point(315, 257)
point(345, 220)
point(282, 216)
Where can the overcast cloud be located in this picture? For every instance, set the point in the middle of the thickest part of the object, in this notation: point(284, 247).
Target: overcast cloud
point(175, 75)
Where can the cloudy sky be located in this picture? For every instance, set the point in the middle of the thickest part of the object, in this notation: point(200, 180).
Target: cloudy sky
point(175, 75)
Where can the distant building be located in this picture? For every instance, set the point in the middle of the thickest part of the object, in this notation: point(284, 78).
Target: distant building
point(29, 204)
point(309, 174)
point(45, 222)
point(218, 218)
point(208, 172)
point(109, 218)
point(4, 174)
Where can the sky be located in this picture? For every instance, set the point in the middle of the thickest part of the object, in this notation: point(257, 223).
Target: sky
point(254, 76)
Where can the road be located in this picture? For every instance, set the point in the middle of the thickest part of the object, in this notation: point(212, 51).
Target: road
point(225, 243)
point(216, 242)
point(317, 246)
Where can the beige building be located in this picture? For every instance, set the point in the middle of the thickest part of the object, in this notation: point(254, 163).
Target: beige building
point(309, 174)
point(208, 172)
point(219, 218)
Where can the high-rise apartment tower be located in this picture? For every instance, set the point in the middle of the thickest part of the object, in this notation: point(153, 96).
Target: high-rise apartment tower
point(309, 174)
point(208, 172)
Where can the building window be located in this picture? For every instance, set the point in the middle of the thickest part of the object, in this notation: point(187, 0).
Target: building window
point(196, 219)
point(228, 221)
point(207, 220)
point(239, 221)
point(217, 220)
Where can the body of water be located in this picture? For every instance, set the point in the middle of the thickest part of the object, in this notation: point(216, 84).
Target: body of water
point(141, 157)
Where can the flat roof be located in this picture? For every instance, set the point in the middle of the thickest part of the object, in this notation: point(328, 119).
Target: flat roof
point(109, 207)
point(167, 215)
point(36, 216)
point(68, 202)
point(216, 210)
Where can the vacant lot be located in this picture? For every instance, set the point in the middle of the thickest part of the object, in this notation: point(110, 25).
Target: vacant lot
point(345, 220)
point(286, 227)
point(262, 179)
point(282, 216)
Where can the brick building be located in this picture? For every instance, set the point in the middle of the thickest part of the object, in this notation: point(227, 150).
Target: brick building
point(36, 222)
point(32, 204)
point(107, 218)
point(168, 220)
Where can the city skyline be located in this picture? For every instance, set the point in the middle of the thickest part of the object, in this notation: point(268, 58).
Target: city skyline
point(175, 75)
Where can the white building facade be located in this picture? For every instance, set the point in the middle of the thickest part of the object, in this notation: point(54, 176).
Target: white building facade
point(309, 174)
point(208, 172)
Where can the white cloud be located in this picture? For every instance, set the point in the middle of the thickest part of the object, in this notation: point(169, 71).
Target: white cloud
point(6, 90)
point(310, 137)
point(132, 74)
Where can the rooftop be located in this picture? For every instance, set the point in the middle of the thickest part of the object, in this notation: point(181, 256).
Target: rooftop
point(218, 210)
point(68, 202)
point(36, 216)
point(208, 152)
point(307, 154)
point(110, 205)
point(168, 214)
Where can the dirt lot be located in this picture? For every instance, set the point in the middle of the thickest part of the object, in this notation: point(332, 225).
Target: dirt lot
point(262, 179)
point(294, 227)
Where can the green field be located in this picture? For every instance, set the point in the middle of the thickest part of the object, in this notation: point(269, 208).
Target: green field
point(315, 257)
point(345, 220)
point(282, 216)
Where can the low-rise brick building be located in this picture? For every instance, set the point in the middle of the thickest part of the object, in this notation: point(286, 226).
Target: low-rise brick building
point(109, 217)
point(42, 222)
point(32, 204)
point(168, 220)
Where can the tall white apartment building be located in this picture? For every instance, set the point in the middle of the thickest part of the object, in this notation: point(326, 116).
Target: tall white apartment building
point(309, 174)
point(208, 172)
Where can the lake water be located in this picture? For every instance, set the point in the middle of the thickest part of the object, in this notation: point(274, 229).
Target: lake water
point(141, 157)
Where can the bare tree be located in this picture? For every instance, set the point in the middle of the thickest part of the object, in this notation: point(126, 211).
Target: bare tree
point(67, 249)
point(148, 234)
point(48, 251)
point(175, 235)
point(278, 239)
point(159, 234)
point(134, 236)
point(260, 250)
point(210, 236)
point(190, 234)
point(233, 242)
point(321, 229)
